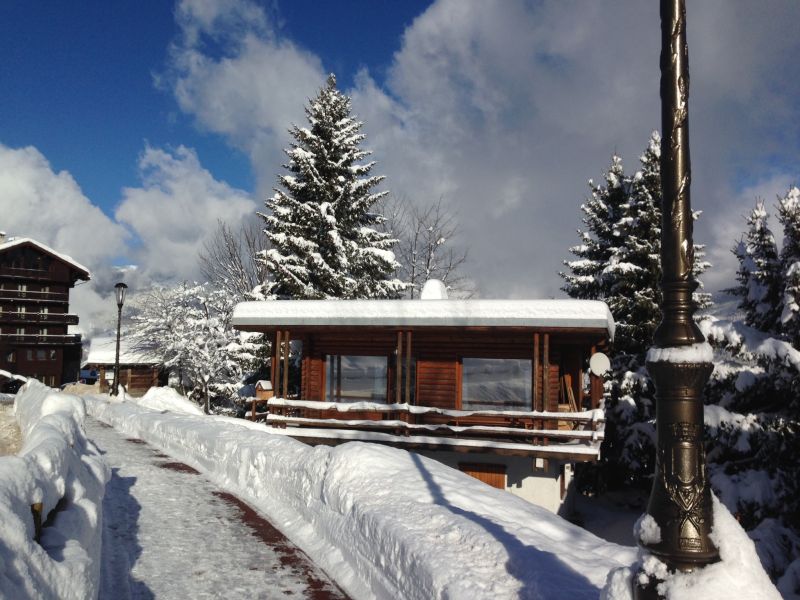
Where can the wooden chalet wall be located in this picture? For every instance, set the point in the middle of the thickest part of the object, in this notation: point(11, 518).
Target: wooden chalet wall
point(438, 354)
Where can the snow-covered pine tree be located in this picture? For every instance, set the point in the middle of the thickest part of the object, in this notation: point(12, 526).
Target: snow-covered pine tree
point(789, 217)
point(619, 262)
point(322, 233)
point(758, 276)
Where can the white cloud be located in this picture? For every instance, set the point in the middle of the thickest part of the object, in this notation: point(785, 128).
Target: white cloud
point(37, 202)
point(506, 109)
point(50, 207)
point(175, 210)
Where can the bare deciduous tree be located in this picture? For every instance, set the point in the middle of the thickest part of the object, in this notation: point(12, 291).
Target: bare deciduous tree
point(428, 247)
point(229, 260)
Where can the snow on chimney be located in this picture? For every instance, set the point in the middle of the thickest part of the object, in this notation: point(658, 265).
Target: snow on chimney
point(433, 289)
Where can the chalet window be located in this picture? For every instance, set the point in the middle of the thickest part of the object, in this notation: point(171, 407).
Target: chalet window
point(52, 355)
point(356, 378)
point(20, 331)
point(30, 358)
point(11, 357)
point(43, 331)
point(495, 384)
point(40, 355)
point(21, 309)
point(22, 287)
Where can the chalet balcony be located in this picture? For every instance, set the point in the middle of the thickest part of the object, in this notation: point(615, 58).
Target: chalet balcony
point(34, 339)
point(25, 274)
point(11, 295)
point(573, 435)
point(38, 317)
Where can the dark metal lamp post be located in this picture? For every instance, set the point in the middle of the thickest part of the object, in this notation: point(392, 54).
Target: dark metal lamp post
point(680, 500)
point(120, 290)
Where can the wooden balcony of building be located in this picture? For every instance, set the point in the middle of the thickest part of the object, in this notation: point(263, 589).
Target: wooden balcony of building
point(573, 435)
point(25, 273)
point(12, 316)
point(35, 339)
point(33, 296)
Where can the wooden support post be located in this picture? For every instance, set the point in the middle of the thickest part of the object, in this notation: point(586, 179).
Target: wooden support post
point(338, 378)
point(546, 373)
point(275, 364)
point(36, 511)
point(408, 368)
point(398, 368)
point(537, 404)
point(286, 364)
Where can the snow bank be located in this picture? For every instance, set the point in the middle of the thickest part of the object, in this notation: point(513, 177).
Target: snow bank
point(166, 398)
point(385, 523)
point(739, 573)
point(55, 462)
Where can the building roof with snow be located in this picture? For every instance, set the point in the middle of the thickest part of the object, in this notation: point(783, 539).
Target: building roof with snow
point(580, 314)
point(102, 351)
point(83, 272)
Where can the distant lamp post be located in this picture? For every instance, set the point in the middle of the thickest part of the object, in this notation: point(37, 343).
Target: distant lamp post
point(679, 363)
point(120, 290)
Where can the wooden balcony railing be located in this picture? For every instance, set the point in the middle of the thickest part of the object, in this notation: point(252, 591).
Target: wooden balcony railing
point(10, 316)
point(35, 339)
point(35, 296)
point(536, 428)
point(26, 273)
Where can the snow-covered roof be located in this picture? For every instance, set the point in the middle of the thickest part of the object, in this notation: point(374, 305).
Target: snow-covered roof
point(102, 351)
point(19, 241)
point(588, 314)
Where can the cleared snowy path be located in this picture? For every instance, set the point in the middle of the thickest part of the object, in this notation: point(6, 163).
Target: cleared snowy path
point(169, 533)
point(10, 438)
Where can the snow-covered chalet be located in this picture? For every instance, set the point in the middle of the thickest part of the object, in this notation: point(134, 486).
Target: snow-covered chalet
point(35, 281)
point(499, 389)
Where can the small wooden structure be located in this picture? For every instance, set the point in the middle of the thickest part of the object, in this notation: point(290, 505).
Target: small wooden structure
point(138, 371)
point(494, 379)
point(263, 393)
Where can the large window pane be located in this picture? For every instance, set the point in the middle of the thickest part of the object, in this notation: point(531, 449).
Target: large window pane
point(356, 378)
point(495, 384)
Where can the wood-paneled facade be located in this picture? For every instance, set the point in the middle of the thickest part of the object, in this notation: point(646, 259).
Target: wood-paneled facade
point(35, 282)
point(425, 363)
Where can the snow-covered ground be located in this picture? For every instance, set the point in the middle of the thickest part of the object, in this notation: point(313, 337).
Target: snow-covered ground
point(169, 533)
point(385, 523)
point(55, 463)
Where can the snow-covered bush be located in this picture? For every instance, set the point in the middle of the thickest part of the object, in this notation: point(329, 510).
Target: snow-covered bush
point(188, 327)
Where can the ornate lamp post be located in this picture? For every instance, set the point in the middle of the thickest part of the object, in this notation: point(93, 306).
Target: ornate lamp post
point(120, 290)
point(680, 501)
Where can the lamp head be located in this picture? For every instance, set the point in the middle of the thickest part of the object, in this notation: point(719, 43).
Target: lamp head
point(120, 289)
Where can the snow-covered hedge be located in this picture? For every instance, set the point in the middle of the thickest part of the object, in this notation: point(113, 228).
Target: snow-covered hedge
point(385, 523)
point(55, 462)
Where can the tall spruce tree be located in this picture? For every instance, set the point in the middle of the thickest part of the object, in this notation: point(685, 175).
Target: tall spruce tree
point(322, 233)
point(618, 261)
point(759, 274)
point(789, 217)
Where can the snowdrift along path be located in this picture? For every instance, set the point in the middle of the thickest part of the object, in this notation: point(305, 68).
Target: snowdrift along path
point(169, 533)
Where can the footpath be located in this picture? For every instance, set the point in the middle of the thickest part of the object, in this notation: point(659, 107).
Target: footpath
point(169, 533)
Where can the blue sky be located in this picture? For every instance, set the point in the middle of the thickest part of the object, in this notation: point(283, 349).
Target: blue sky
point(78, 79)
point(127, 129)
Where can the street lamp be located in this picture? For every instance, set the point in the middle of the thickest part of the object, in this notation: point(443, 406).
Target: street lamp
point(679, 363)
point(120, 290)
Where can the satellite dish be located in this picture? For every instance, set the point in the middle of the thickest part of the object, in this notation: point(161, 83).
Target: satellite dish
point(599, 364)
